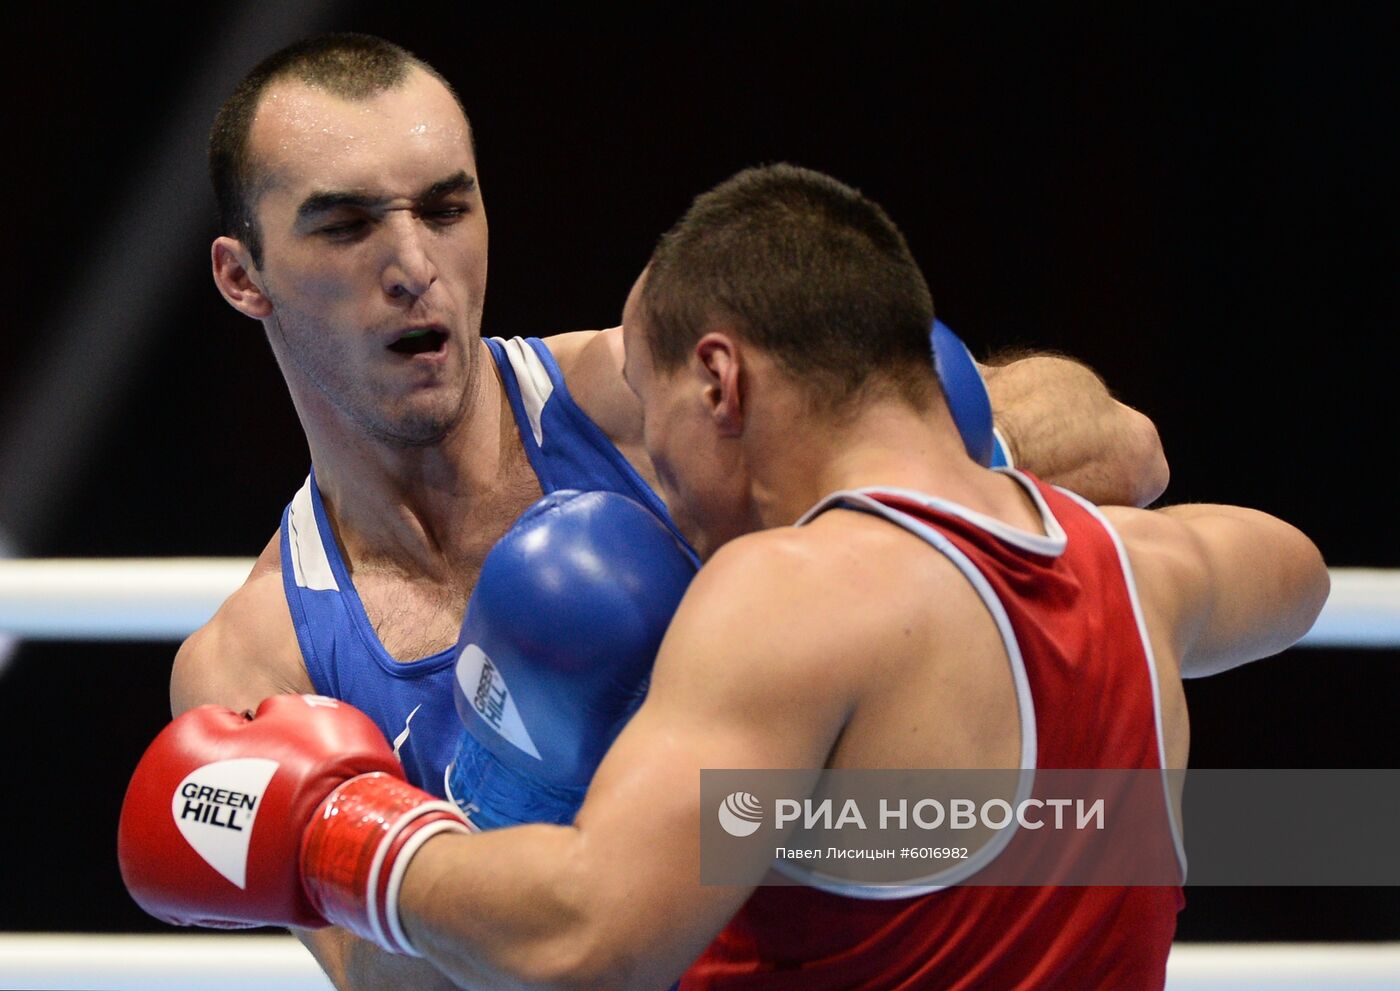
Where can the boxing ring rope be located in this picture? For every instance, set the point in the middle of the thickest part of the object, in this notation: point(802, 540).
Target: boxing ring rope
point(166, 599)
point(114, 598)
point(53, 962)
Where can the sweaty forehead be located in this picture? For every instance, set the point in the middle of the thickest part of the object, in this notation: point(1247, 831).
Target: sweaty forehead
point(304, 137)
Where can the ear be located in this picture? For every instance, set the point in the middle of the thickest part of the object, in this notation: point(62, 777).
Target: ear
point(234, 275)
point(721, 366)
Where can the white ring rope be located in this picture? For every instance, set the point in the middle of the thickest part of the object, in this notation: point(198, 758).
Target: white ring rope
point(53, 961)
point(60, 962)
point(114, 599)
point(168, 598)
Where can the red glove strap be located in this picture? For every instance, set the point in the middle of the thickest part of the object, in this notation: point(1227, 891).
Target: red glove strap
point(400, 855)
point(355, 851)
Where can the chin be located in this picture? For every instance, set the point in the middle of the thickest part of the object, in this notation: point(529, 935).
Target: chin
point(426, 418)
point(418, 437)
point(424, 428)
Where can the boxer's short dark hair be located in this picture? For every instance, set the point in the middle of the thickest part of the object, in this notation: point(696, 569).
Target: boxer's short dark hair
point(805, 267)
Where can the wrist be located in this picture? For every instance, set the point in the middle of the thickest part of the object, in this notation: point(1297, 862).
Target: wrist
point(357, 847)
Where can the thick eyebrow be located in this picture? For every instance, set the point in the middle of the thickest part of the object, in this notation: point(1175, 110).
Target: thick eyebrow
point(321, 202)
point(459, 183)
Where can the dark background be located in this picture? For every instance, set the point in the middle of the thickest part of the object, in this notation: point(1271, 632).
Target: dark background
point(1198, 202)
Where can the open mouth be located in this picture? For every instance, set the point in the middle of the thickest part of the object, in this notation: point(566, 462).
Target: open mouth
point(423, 341)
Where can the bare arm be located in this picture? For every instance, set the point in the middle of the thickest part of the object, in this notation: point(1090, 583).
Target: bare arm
point(1231, 584)
point(1061, 423)
point(246, 652)
point(615, 901)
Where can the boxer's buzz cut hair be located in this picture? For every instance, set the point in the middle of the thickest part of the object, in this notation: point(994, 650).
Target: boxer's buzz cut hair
point(347, 65)
point(806, 268)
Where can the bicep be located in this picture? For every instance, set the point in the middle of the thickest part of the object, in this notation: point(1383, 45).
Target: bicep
point(737, 684)
point(617, 900)
point(208, 670)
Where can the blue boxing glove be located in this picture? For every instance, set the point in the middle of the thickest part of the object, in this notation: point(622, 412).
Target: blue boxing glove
point(556, 652)
point(967, 398)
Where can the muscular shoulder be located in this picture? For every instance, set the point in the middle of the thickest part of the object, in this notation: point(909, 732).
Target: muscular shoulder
point(248, 649)
point(783, 634)
point(742, 667)
point(1168, 558)
point(591, 361)
point(846, 585)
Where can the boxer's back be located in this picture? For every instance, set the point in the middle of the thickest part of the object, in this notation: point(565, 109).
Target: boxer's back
point(1027, 652)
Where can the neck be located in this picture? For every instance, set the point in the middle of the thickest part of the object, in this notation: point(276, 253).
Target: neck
point(883, 443)
point(407, 503)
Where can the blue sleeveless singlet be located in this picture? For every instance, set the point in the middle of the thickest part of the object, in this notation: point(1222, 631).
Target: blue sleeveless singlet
point(412, 701)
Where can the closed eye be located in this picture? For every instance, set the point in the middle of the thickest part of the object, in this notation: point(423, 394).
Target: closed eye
point(446, 214)
point(344, 230)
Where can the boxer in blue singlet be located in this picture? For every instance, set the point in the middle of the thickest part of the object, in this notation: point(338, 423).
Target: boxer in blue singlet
point(412, 700)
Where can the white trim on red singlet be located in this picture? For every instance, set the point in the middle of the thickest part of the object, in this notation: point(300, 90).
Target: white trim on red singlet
point(1131, 582)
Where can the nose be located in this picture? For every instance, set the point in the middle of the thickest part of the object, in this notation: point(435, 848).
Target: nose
point(408, 267)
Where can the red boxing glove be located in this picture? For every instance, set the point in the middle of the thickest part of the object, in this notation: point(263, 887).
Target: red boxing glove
point(292, 816)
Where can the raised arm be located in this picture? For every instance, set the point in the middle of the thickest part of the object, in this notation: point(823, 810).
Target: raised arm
point(1225, 584)
point(1061, 422)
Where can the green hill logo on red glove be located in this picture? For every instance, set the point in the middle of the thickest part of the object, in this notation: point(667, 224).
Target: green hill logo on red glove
point(291, 815)
point(214, 809)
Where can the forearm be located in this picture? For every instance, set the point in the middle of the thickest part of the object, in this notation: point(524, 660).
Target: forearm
point(600, 904)
point(508, 910)
point(355, 964)
point(1061, 423)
